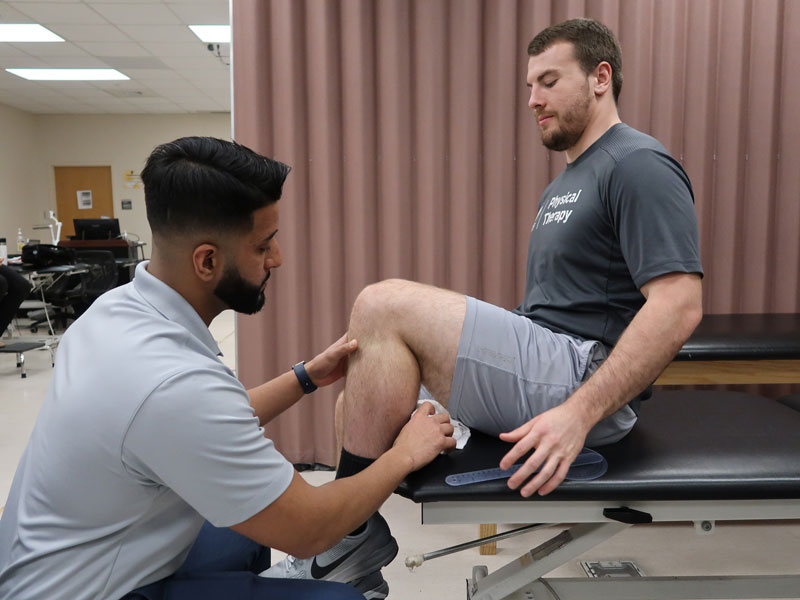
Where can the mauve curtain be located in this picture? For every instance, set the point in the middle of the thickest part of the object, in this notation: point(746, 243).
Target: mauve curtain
point(414, 154)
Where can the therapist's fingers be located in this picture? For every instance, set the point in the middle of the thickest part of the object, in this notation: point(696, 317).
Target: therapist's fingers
point(426, 408)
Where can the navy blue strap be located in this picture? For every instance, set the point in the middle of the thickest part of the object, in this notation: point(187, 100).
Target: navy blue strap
point(588, 465)
point(302, 376)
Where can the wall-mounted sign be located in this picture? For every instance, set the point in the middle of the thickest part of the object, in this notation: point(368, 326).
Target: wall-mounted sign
point(132, 180)
point(127, 204)
point(84, 199)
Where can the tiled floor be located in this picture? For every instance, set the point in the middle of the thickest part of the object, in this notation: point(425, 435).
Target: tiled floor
point(734, 548)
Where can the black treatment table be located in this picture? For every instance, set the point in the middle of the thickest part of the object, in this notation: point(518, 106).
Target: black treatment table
point(739, 349)
point(695, 456)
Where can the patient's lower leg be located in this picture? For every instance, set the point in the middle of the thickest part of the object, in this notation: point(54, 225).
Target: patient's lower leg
point(407, 333)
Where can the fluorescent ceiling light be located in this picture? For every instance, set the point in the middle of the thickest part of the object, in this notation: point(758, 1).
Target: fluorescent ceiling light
point(68, 74)
point(26, 32)
point(212, 34)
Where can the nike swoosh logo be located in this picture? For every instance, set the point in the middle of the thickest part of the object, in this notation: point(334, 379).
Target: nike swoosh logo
point(320, 572)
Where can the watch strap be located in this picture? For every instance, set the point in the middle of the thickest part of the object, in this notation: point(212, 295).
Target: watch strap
point(302, 376)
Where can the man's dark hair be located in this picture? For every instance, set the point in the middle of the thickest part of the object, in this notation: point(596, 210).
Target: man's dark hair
point(592, 42)
point(208, 184)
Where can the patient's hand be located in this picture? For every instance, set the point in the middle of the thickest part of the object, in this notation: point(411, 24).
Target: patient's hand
point(331, 364)
point(558, 436)
point(425, 436)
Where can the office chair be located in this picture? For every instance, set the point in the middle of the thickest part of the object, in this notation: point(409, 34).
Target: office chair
point(69, 296)
point(102, 276)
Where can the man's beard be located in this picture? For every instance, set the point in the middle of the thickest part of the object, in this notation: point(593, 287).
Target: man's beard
point(572, 123)
point(239, 294)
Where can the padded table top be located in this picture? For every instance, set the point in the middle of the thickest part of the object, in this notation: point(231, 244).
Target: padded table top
point(744, 337)
point(688, 445)
point(21, 347)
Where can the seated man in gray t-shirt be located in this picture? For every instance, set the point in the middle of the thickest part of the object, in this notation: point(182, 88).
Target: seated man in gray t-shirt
point(613, 291)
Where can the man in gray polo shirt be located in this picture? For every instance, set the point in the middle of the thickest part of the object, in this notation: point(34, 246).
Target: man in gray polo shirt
point(144, 434)
point(613, 291)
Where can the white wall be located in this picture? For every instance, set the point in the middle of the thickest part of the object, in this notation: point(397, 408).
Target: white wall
point(37, 143)
point(18, 169)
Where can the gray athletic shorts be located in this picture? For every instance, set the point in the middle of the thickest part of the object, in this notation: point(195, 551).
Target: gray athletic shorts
point(509, 369)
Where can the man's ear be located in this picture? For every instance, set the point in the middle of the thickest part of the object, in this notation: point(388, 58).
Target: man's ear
point(602, 78)
point(207, 261)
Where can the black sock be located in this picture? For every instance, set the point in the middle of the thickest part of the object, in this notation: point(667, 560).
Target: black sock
point(350, 464)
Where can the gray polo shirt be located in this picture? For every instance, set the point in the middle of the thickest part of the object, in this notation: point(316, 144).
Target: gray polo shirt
point(143, 434)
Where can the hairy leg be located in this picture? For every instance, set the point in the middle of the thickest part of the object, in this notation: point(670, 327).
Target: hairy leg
point(407, 333)
point(338, 422)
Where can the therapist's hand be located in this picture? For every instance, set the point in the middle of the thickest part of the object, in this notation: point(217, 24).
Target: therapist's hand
point(425, 435)
point(331, 364)
point(558, 436)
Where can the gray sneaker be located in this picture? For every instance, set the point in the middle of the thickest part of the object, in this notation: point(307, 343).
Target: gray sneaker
point(373, 586)
point(355, 557)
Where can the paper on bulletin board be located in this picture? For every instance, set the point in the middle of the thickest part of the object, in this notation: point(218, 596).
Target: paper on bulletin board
point(84, 199)
point(132, 180)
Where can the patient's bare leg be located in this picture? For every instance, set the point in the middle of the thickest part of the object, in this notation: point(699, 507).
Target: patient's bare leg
point(407, 333)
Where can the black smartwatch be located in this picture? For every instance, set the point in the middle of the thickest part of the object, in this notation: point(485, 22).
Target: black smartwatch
point(302, 376)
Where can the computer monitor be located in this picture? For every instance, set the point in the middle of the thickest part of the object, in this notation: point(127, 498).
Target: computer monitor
point(96, 229)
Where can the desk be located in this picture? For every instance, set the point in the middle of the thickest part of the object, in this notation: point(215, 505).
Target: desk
point(739, 349)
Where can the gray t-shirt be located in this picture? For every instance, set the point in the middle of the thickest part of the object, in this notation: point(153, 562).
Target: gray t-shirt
point(142, 435)
point(615, 218)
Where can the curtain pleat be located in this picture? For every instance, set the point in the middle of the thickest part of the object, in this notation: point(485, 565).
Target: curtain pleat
point(414, 153)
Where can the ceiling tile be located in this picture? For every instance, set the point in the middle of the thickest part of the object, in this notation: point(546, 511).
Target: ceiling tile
point(75, 62)
point(124, 63)
point(195, 48)
point(44, 49)
point(9, 81)
point(151, 74)
point(48, 13)
point(202, 13)
point(90, 33)
point(11, 15)
point(183, 97)
point(170, 69)
point(172, 86)
point(10, 51)
point(25, 62)
point(114, 48)
point(207, 77)
point(136, 14)
point(35, 92)
point(118, 85)
point(128, 1)
point(181, 63)
point(159, 33)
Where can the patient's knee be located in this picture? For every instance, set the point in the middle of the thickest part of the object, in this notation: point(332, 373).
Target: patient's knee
point(379, 305)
